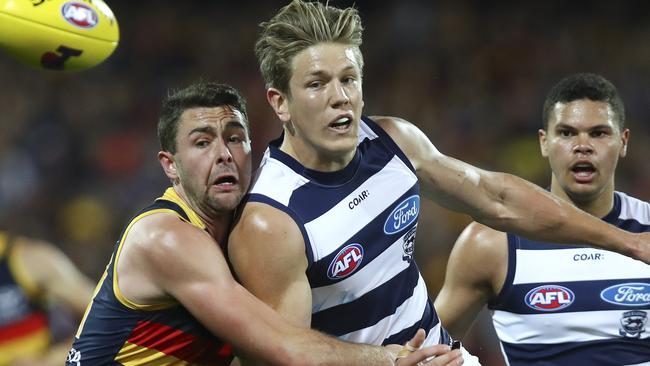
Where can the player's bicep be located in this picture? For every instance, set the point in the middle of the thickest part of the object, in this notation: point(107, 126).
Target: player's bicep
point(267, 252)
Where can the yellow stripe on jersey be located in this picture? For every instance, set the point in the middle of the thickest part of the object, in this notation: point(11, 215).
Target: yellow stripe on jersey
point(95, 292)
point(33, 345)
point(21, 274)
point(171, 195)
point(134, 355)
point(116, 290)
point(3, 243)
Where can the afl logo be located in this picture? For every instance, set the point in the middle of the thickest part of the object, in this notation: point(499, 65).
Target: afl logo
point(345, 262)
point(627, 294)
point(403, 215)
point(80, 15)
point(549, 298)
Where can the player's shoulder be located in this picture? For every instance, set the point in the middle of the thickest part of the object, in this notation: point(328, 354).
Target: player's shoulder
point(263, 227)
point(478, 241)
point(262, 218)
point(391, 124)
point(165, 233)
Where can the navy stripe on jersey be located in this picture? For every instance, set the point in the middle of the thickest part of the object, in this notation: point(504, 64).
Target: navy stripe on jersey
point(429, 320)
point(330, 187)
point(336, 178)
point(345, 318)
point(595, 353)
point(318, 276)
point(169, 205)
point(587, 296)
point(388, 141)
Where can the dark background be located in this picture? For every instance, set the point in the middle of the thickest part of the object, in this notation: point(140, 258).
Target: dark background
point(78, 150)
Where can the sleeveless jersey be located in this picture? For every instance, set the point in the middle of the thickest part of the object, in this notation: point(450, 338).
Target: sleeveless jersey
point(575, 305)
point(116, 331)
point(24, 329)
point(358, 225)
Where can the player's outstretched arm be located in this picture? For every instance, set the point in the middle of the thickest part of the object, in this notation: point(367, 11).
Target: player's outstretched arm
point(506, 202)
point(476, 271)
point(170, 258)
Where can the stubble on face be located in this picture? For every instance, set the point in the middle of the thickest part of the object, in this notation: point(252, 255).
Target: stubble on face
point(213, 170)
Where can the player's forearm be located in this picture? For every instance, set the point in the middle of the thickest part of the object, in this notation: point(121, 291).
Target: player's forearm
point(539, 215)
point(307, 347)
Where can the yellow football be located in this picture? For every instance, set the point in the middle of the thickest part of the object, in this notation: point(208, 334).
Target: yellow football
point(58, 34)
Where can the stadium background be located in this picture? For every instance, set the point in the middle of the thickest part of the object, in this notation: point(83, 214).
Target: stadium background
point(78, 150)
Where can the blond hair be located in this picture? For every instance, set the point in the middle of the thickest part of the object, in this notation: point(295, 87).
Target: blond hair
point(298, 26)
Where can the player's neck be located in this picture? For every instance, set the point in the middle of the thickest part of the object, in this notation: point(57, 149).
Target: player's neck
point(217, 223)
point(311, 158)
point(598, 204)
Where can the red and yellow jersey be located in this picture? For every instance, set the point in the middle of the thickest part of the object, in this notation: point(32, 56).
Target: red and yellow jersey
point(116, 331)
point(24, 329)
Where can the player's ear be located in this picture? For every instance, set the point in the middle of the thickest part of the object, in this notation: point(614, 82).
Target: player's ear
point(625, 137)
point(168, 164)
point(279, 103)
point(541, 133)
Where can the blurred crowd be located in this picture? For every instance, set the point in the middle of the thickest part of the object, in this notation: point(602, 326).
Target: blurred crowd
point(78, 150)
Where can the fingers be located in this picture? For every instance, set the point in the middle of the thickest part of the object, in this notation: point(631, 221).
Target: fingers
point(438, 355)
point(413, 345)
point(418, 338)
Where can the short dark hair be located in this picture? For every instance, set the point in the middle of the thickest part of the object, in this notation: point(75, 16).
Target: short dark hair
point(584, 86)
point(200, 94)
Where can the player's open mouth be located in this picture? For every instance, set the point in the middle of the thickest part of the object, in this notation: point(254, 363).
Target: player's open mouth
point(583, 171)
point(341, 124)
point(225, 181)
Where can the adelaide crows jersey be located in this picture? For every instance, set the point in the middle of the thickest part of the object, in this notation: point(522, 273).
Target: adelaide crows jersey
point(116, 331)
point(24, 329)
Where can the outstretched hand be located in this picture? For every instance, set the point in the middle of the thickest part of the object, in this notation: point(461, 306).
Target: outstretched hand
point(439, 355)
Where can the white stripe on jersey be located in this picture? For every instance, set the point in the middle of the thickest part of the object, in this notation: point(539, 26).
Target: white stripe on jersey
point(373, 275)
point(533, 266)
point(277, 181)
point(544, 329)
point(632, 208)
point(411, 309)
point(336, 224)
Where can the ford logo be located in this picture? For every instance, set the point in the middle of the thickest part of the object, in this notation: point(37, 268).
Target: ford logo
point(627, 294)
point(403, 215)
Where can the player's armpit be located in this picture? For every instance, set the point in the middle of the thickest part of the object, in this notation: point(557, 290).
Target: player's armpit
point(476, 272)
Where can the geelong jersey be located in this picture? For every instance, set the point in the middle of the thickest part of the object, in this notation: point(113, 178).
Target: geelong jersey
point(575, 305)
point(116, 331)
point(24, 329)
point(358, 225)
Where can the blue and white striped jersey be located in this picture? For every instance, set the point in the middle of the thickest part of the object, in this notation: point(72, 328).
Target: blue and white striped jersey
point(359, 227)
point(575, 305)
